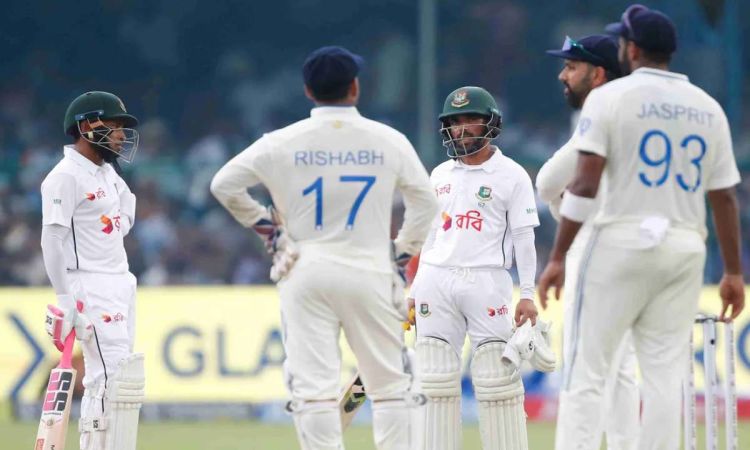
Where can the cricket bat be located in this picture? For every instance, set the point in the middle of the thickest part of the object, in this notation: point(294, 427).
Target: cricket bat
point(352, 398)
point(53, 425)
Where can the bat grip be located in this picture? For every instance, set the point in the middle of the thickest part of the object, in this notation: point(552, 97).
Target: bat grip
point(67, 354)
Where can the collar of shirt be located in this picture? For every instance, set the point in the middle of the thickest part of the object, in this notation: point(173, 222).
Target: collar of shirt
point(85, 163)
point(660, 73)
point(321, 111)
point(488, 166)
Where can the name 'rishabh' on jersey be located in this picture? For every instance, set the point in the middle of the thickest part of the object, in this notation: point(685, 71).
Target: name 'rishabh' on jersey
point(666, 142)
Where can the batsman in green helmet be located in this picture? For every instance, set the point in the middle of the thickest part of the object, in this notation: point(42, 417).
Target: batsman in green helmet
point(470, 120)
point(99, 121)
point(463, 286)
point(87, 210)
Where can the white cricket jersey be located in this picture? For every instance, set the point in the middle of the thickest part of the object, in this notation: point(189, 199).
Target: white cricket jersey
point(480, 205)
point(666, 142)
point(85, 197)
point(333, 177)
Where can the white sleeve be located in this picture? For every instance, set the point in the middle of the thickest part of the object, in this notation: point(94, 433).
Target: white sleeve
point(723, 171)
point(525, 252)
point(419, 201)
point(58, 199)
point(127, 209)
point(593, 130)
point(522, 208)
point(230, 183)
point(556, 174)
point(53, 236)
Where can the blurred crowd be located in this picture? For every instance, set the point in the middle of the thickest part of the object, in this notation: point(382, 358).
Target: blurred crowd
point(207, 79)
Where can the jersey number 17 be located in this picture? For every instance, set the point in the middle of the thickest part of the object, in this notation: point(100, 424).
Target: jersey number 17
point(317, 188)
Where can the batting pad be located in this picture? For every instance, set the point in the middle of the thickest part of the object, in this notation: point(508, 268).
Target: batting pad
point(499, 391)
point(440, 377)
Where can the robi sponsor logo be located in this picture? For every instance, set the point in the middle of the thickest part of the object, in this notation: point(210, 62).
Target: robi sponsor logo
point(447, 221)
point(492, 312)
point(118, 317)
point(471, 219)
point(110, 224)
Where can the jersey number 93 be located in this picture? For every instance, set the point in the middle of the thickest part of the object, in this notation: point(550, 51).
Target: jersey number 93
point(693, 146)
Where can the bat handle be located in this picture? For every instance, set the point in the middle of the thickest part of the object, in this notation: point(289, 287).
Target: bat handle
point(67, 354)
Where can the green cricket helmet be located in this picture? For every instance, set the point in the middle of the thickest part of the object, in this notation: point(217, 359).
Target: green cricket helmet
point(469, 100)
point(94, 107)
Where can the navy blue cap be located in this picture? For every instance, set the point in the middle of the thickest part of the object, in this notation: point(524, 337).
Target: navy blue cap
point(329, 68)
point(648, 28)
point(598, 49)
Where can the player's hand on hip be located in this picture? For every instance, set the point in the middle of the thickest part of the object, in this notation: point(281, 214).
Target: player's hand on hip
point(553, 276)
point(61, 319)
point(732, 293)
point(526, 310)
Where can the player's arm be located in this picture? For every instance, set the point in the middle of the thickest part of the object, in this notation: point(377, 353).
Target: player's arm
point(231, 182)
point(419, 201)
point(522, 218)
point(556, 174)
point(727, 224)
point(127, 208)
point(578, 205)
point(721, 178)
point(58, 204)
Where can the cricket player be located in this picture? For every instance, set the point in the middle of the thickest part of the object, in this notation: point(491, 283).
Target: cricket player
point(332, 178)
point(658, 144)
point(87, 210)
point(487, 218)
point(589, 63)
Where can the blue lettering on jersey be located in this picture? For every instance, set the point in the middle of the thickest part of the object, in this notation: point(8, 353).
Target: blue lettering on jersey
point(670, 111)
point(340, 158)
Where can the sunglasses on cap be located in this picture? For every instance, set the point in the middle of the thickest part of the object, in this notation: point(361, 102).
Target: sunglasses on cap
point(571, 45)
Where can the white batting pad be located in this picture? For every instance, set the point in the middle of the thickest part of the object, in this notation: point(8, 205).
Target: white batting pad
point(499, 391)
point(116, 426)
point(318, 424)
point(440, 379)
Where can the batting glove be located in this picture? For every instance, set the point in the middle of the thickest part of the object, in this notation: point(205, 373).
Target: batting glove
point(63, 318)
point(544, 359)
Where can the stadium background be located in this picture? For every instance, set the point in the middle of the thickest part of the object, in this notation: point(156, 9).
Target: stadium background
point(207, 78)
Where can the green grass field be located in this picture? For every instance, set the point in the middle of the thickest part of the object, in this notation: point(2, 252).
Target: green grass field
point(233, 435)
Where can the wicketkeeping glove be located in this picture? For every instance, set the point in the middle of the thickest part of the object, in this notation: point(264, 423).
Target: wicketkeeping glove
point(61, 319)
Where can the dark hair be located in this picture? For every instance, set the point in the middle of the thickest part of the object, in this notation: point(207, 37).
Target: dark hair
point(74, 133)
point(331, 94)
point(611, 75)
point(656, 57)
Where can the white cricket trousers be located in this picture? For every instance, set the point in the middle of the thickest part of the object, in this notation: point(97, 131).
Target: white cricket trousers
point(654, 293)
point(318, 300)
point(452, 302)
point(109, 302)
point(622, 398)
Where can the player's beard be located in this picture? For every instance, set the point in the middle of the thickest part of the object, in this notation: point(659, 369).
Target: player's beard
point(625, 65)
point(576, 97)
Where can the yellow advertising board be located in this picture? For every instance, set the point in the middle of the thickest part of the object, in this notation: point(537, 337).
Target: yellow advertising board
point(217, 344)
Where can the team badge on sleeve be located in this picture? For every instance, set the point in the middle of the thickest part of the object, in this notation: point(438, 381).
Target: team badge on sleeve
point(484, 194)
point(424, 309)
point(583, 125)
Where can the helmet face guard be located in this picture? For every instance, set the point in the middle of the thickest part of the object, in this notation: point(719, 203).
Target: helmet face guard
point(105, 139)
point(456, 148)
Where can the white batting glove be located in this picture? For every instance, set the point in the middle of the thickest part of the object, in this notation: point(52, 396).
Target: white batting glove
point(520, 346)
point(544, 358)
point(63, 318)
point(283, 261)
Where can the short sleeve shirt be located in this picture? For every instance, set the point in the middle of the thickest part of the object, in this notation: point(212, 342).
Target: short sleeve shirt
point(480, 206)
point(85, 197)
point(666, 142)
